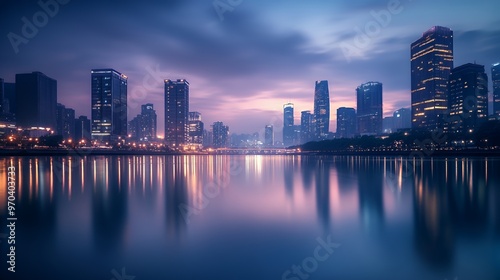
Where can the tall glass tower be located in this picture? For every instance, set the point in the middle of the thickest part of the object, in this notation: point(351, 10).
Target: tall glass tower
point(495, 77)
point(321, 110)
point(109, 104)
point(288, 129)
point(369, 100)
point(431, 63)
point(176, 112)
point(346, 122)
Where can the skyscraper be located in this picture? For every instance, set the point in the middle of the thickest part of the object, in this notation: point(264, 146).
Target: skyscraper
point(195, 129)
point(288, 130)
point(36, 100)
point(109, 104)
point(143, 126)
point(369, 100)
point(176, 112)
point(346, 122)
point(495, 77)
point(269, 136)
point(220, 135)
point(321, 110)
point(431, 63)
point(65, 121)
point(82, 129)
point(9, 104)
point(468, 98)
point(306, 127)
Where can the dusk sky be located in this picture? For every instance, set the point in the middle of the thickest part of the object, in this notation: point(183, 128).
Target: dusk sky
point(244, 65)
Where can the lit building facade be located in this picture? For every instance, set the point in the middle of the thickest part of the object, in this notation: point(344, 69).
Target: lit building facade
point(65, 118)
point(196, 128)
point(144, 126)
point(495, 77)
point(36, 100)
point(468, 99)
point(321, 110)
point(288, 122)
point(306, 127)
point(346, 122)
point(176, 112)
point(369, 108)
point(431, 63)
point(109, 104)
point(220, 135)
point(269, 136)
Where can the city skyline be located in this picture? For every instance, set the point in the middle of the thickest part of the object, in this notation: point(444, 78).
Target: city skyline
point(237, 92)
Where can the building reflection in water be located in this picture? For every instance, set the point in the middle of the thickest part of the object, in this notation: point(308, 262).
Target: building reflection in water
point(176, 195)
point(370, 192)
point(323, 191)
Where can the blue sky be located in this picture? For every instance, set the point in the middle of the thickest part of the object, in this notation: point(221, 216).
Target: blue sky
point(245, 65)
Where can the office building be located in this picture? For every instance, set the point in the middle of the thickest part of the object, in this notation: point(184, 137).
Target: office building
point(346, 122)
point(369, 108)
point(321, 110)
point(495, 77)
point(401, 119)
point(269, 136)
point(220, 135)
point(65, 119)
point(36, 100)
point(307, 127)
point(288, 122)
point(468, 99)
point(82, 129)
point(176, 113)
point(431, 63)
point(196, 128)
point(109, 104)
point(143, 126)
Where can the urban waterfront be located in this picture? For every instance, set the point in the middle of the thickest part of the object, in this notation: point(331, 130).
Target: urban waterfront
point(254, 217)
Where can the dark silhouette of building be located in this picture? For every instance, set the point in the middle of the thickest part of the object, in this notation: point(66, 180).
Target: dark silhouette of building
point(109, 104)
point(369, 111)
point(196, 127)
point(8, 102)
point(2, 97)
point(401, 119)
point(176, 112)
point(321, 110)
point(269, 136)
point(82, 129)
point(288, 122)
point(143, 126)
point(65, 121)
point(346, 122)
point(495, 77)
point(431, 63)
point(306, 127)
point(467, 98)
point(220, 135)
point(36, 100)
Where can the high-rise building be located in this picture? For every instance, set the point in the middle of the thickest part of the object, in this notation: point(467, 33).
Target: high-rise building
point(109, 104)
point(369, 108)
point(401, 119)
point(220, 135)
point(176, 112)
point(288, 120)
point(346, 122)
point(82, 129)
point(495, 77)
point(36, 100)
point(9, 101)
point(208, 138)
point(65, 119)
point(306, 127)
point(195, 129)
point(2, 97)
point(143, 126)
point(431, 63)
point(388, 125)
point(467, 98)
point(269, 136)
point(321, 110)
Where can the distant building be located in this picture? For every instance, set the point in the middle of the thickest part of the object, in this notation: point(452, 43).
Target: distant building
point(36, 100)
point(82, 129)
point(176, 112)
point(431, 63)
point(9, 101)
point(468, 98)
point(306, 127)
point(109, 104)
point(321, 110)
point(2, 97)
point(288, 120)
point(196, 129)
point(220, 135)
point(495, 77)
point(369, 108)
point(388, 125)
point(401, 119)
point(269, 136)
point(65, 118)
point(208, 138)
point(143, 127)
point(346, 122)
point(296, 134)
